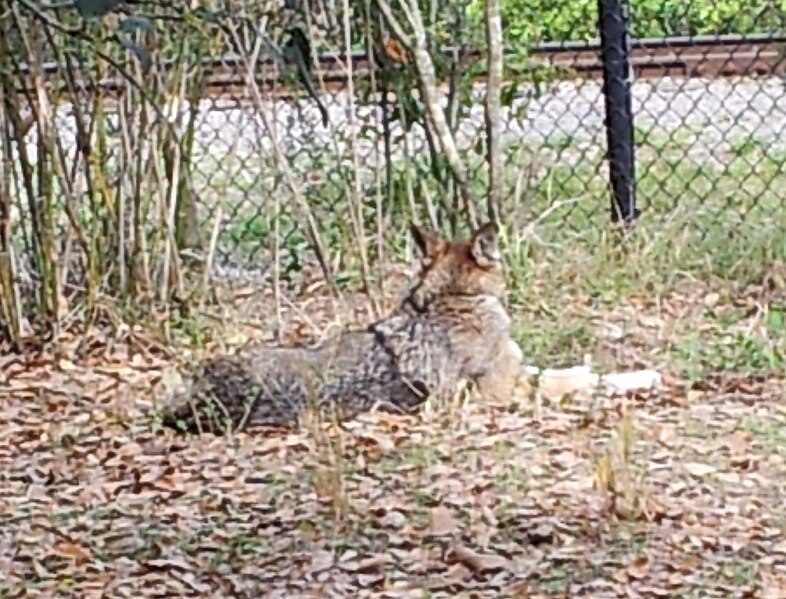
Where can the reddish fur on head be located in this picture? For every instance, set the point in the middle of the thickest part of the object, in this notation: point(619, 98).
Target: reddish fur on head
point(471, 267)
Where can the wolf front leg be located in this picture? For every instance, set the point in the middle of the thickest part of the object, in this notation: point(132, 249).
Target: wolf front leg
point(503, 374)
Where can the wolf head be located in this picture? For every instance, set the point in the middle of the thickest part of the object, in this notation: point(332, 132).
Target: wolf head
point(462, 268)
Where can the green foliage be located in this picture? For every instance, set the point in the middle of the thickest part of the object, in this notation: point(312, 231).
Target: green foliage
point(653, 18)
point(545, 20)
point(91, 9)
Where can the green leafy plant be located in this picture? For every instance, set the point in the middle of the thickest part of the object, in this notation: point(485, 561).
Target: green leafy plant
point(565, 21)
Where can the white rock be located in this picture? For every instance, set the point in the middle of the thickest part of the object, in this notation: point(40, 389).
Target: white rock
point(555, 383)
point(611, 331)
point(531, 370)
point(562, 373)
point(637, 380)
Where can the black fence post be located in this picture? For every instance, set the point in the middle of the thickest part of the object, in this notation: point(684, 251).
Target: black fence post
point(614, 48)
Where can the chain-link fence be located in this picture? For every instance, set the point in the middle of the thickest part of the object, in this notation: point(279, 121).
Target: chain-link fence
point(707, 115)
point(292, 145)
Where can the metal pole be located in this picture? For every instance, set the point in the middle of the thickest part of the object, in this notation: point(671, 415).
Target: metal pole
point(614, 48)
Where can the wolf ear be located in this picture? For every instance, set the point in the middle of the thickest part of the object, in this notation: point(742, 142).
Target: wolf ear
point(428, 244)
point(484, 250)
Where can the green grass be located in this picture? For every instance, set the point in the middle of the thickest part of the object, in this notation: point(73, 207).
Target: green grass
point(768, 431)
point(707, 227)
point(704, 229)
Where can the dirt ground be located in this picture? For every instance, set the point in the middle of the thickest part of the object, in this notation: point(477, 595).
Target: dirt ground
point(673, 493)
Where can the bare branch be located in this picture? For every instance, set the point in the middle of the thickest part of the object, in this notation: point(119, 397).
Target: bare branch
point(492, 109)
point(416, 45)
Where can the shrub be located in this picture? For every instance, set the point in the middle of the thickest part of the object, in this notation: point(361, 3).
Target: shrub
point(546, 20)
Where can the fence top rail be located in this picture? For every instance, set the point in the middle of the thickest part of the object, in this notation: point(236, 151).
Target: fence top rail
point(680, 41)
point(648, 43)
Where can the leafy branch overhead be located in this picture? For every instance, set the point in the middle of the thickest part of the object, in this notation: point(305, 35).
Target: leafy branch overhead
point(93, 9)
point(133, 25)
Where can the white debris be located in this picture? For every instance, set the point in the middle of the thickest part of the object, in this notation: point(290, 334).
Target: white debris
point(556, 383)
point(637, 380)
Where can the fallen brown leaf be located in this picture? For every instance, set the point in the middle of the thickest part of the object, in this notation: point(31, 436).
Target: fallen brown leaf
point(443, 522)
point(72, 551)
point(699, 470)
point(639, 567)
point(478, 562)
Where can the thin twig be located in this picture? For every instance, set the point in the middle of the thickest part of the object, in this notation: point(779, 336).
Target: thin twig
point(311, 229)
point(357, 200)
point(417, 46)
point(493, 109)
point(529, 230)
point(211, 254)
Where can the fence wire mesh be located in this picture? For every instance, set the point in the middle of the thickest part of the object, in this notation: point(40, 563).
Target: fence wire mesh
point(275, 167)
point(708, 148)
